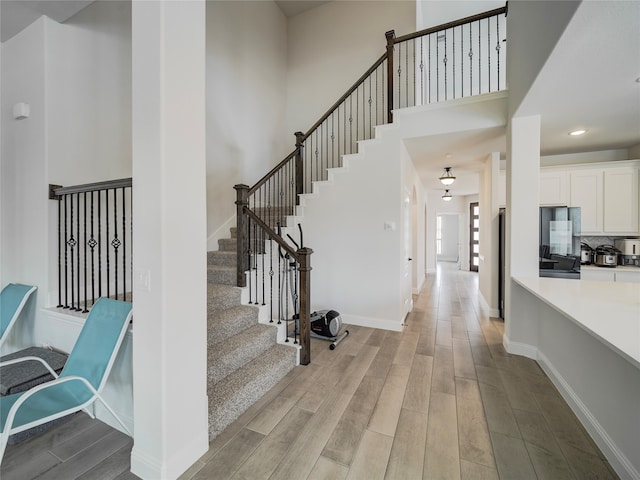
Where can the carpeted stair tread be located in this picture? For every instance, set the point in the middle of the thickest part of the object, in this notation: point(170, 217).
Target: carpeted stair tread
point(222, 258)
point(226, 323)
point(220, 297)
point(233, 395)
point(222, 275)
point(225, 357)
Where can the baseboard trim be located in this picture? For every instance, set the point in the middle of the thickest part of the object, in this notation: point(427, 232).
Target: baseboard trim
point(615, 457)
point(146, 466)
point(382, 323)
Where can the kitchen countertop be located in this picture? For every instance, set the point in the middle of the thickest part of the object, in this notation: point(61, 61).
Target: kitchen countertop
point(610, 311)
point(617, 267)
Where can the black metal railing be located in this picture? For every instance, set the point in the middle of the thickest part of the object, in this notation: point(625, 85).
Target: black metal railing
point(94, 242)
point(446, 62)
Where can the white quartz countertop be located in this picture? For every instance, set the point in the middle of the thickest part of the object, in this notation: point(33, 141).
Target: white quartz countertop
point(608, 310)
point(626, 268)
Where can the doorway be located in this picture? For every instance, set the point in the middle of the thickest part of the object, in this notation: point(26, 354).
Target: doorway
point(474, 236)
point(448, 238)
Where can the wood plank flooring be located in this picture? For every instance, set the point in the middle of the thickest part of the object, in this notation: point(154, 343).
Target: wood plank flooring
point(441, 400)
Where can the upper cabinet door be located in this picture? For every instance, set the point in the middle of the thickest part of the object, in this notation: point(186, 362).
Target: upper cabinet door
point(587, 193)
point(621, 200)
point(554, 186)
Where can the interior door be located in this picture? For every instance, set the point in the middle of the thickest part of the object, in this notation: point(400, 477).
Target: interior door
point(474, 236)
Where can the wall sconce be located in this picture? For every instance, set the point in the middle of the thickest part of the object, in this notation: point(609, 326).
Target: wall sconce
point(447, 196)
point(447, 177)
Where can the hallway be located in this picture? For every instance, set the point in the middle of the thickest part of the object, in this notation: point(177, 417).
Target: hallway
point(441, 400)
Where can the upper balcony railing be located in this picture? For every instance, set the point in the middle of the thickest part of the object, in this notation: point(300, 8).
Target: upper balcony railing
point(94, 242)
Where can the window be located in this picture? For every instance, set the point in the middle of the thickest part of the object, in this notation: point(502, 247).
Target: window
point(474, 236)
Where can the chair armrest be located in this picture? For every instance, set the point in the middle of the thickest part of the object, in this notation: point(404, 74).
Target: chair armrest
point(29, 358)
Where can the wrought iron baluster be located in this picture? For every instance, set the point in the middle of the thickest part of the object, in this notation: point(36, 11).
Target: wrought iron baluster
point(78, 309)
point(470, 59)
point(66, 264)
point(444, 61)
point(498, 46)
point(106, 207)
point(479, 59)
point(99, 246)
point(92, 244)
point(437, 69)
point(60, 252)
point(429, 68)
point(462, 60)
point(453, 60)
point(86, 300)
point(124, 246)
point(489, 53)
point(115, 243)
point(72, 244)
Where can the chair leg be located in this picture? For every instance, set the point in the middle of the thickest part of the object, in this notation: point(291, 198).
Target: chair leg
point(106, 405)
point(4, 438)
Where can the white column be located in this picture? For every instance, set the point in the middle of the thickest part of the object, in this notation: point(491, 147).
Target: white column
point(169, 252)
point(523, 213)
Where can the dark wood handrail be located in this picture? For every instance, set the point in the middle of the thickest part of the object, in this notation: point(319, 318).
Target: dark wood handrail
point(270, 232)
point(345, 96)
point(264, 179)
point(92, 187)
point(455, 23)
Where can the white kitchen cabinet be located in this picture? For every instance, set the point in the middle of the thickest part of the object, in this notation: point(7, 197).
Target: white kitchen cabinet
point(600, 274)
point(554, 188)
point(608, 198)
point(628, 276)
point(587, 193)
point(620, 200)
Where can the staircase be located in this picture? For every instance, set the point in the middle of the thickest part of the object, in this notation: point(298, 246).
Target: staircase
point(244, 361)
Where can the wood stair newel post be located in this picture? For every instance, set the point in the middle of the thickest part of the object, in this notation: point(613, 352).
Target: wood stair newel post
point(242, 222)
point(304, 259)
point(299, 179)
point(391, 36)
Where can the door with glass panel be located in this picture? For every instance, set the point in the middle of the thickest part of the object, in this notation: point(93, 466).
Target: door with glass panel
point(474, 236)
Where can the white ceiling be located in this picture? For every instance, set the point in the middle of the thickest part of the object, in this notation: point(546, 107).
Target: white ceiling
point(15, 15)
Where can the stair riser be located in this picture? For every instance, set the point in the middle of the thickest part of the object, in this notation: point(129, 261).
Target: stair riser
point(227, 244)
point(222, 259)
point(246, 346)
point(231, 397)
point(222, 277)
point(233, 321)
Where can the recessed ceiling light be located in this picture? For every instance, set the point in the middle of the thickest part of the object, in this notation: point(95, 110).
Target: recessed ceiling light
point(576, 133)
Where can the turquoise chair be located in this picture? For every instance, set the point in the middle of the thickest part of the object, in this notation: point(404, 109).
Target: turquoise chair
point(13, 298)
point(81, 380)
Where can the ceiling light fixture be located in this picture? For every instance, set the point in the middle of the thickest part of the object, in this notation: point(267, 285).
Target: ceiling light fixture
point(447, 196)
point(576, 133)
point(447, 177)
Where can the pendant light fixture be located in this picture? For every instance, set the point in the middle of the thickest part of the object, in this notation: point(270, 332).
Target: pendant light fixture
point(447, 196)
point(447, 177)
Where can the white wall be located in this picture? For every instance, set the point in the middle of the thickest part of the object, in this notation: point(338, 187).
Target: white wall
point(450, 230)
point(530, 47)
point(24, 231)
point(246, 87)
point(437, 12)
point(331, 46)
point(170, 309)
point(89, 95)
point(489, 210)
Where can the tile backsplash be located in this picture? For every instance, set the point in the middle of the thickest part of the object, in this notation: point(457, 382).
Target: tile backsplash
point(596, 241)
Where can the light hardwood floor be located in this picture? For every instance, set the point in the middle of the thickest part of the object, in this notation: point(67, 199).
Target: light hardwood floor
point(441, 400)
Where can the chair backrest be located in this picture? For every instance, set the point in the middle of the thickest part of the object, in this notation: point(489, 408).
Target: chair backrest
point(97, 345)
point(12, 299)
